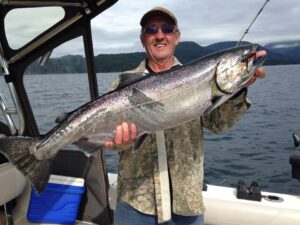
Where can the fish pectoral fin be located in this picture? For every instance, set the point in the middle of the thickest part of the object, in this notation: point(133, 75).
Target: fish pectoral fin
point(141, 102)
point(139, 142)
point(138, 97)
point(217, 101)
point(62, 117)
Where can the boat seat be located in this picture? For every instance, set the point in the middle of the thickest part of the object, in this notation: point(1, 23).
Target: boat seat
point(12, 183)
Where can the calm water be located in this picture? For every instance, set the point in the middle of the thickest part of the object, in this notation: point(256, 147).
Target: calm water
point(258, 148)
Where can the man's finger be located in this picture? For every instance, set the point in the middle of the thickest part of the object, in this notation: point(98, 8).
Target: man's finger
point(133, 131)
point(260, 72)
point(119, 135)
point(125, 131)
point(260, 53)
point(108, 144)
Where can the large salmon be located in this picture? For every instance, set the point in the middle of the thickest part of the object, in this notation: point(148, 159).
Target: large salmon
point(153, 102)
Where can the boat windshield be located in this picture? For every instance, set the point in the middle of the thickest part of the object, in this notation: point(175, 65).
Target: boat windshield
point(21, 26)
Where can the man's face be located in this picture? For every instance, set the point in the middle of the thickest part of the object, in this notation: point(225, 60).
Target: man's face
point(160, 46)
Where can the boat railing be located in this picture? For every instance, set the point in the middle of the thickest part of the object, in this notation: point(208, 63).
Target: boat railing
point(8, 112)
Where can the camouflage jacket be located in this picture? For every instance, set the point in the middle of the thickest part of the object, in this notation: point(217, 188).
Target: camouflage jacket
point(138, 173)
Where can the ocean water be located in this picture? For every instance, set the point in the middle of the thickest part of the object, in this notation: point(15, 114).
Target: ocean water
point(259, 146)
point(256, 149)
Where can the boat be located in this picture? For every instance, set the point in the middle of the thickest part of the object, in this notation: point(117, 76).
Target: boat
point(239, 205)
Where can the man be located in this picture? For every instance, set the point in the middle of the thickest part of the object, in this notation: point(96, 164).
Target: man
point(140, 197)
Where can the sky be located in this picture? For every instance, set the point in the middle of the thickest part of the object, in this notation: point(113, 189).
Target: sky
point(117, 29)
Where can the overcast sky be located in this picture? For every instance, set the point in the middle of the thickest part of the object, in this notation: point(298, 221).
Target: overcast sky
point(203, 21)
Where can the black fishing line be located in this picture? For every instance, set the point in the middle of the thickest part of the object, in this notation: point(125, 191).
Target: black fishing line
point(247, 30)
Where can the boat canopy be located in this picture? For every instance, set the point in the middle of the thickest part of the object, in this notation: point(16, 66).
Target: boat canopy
point(74, 22)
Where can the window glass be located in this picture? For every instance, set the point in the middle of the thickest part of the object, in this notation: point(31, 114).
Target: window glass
point(24, 24)
point(58, 87)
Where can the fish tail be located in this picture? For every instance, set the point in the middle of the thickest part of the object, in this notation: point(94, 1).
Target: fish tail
point(20, 152)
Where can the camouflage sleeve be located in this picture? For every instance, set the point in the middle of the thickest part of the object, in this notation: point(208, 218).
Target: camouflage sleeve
point(228, 114)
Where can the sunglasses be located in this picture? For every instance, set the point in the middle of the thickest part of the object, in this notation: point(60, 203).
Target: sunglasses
point(165, 28)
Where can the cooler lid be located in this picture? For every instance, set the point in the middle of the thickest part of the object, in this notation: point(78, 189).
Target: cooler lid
point(65, 180)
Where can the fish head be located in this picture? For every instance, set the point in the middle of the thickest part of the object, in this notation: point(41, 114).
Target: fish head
point(236, 66)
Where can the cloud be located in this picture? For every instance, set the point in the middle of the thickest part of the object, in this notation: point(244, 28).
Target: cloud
point(109, 41)
point(287, 45)
point(22, 25)
point(211, 21)
point(117, 29)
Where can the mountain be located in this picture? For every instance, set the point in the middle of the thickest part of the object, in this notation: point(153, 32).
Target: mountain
point(188, 51)
point(279, 53)
point(185, 52)
point(223, 45)
point(289, 48)
point(118, 62)
point(64, 64)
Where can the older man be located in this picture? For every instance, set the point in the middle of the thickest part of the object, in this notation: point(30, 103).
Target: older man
point(145, 197)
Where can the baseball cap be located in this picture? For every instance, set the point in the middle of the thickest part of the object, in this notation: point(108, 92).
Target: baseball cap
point(158, 11)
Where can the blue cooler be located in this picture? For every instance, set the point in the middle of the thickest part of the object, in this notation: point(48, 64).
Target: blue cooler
point(58, 203)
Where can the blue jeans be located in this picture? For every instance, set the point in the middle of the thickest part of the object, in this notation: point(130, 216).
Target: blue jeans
point(126, 215)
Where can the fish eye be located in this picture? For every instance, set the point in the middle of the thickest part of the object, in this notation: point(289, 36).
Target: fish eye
point(245, 58)
point(248, 57)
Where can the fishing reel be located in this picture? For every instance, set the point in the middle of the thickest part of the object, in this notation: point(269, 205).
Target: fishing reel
point(295, 159)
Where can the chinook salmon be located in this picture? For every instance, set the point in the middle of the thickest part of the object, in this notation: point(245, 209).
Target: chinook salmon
point(153, 103)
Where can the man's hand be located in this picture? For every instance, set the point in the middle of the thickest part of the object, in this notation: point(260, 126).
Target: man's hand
point(124, 134)
point(260, 72)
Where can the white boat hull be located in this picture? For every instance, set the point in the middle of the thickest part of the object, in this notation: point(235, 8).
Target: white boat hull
point(222, 205)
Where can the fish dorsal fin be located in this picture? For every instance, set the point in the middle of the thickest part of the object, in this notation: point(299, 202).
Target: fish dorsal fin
point(129, 78)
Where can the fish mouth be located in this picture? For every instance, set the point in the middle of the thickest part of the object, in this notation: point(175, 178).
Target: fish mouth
point(254, 60)
point(255, 57)
point(259, 54)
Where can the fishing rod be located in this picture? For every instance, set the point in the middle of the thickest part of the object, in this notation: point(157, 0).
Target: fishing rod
point(247, 30)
